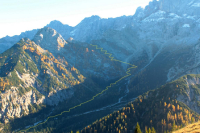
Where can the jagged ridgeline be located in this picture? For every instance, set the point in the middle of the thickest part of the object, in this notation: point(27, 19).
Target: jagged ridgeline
point(29, 76)
point(163, 108)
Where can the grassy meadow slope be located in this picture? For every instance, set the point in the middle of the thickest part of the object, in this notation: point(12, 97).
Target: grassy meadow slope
point(192, 128)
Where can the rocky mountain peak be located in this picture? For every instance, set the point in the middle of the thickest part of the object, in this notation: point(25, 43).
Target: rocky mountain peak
point(88, 20)
point(180, 7)
point(93, 17)
point(139, 13)
point(61, 28)
point(55, 22)
point(48, 38)
point(189, 7)
point(151, 8)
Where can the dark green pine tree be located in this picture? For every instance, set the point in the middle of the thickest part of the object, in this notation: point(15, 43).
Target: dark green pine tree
point(137, 129)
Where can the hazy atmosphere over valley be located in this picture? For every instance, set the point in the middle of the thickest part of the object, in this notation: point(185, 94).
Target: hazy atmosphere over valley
point(100, 66)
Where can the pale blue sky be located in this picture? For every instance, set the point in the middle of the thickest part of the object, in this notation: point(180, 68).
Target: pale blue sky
point(17, 16)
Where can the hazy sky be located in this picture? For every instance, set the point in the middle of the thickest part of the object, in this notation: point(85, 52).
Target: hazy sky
point(17, 16)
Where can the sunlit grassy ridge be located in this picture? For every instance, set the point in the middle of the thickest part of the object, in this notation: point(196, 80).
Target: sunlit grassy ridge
point(192, 128)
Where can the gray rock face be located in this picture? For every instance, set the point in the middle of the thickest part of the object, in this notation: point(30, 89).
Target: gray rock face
point(57, 96)
point(94, 27)
point(61, 28)
point(191, 98)
point(177, 21)
point(190, 7)
point(12, 104)
point(49, 39)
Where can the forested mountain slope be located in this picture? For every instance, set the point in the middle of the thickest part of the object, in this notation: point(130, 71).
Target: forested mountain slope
point(166, 108)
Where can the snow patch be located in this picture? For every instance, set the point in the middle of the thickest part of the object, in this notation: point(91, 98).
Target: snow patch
point(174, 15)
point(72, 33)
point(157, 14)
point(191, 17)
point(153, 20)
point(124, 26)
point(184, 15)
point(196, 5)
point(160, 13)
point(186, 26)
point(191, 3)
point(41, 35)
point(155, 17)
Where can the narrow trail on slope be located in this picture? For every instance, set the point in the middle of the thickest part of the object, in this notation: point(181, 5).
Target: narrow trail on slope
point(112, 59)
point(115, 106)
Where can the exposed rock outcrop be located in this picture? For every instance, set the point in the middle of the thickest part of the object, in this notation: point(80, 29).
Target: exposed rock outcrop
point(13, 105)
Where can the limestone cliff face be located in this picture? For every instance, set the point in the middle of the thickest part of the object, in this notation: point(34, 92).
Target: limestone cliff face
point(13, 105)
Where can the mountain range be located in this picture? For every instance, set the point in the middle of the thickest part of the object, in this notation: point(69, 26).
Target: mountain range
point(46, 71)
